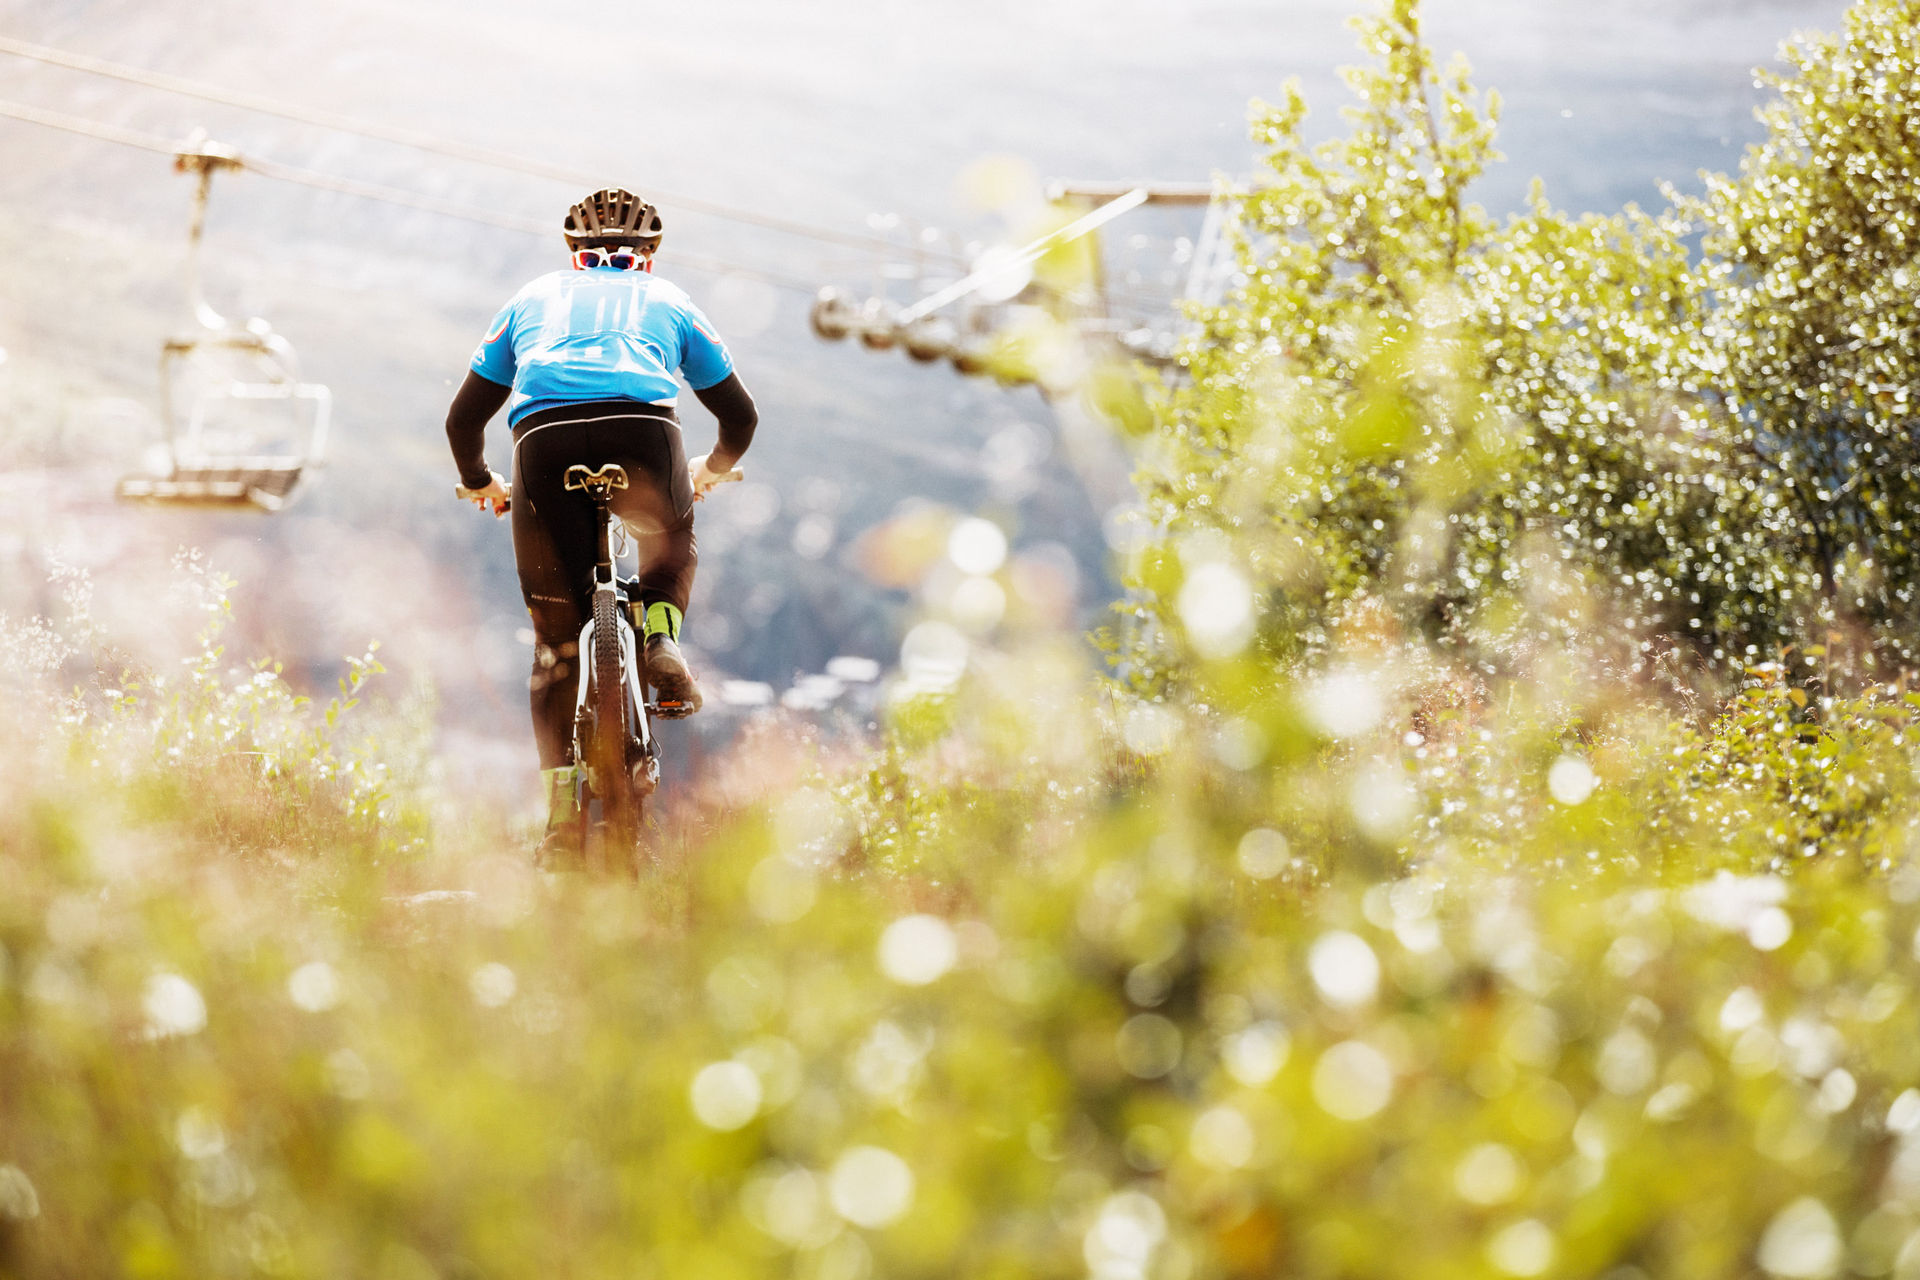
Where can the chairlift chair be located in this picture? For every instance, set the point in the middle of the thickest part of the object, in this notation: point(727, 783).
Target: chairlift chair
point(243, 429)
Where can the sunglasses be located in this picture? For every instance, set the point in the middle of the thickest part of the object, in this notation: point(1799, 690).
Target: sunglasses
point(621, 259)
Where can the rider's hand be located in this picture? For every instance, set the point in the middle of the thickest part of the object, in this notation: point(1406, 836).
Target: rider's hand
point(703, 477)
point(497, 492)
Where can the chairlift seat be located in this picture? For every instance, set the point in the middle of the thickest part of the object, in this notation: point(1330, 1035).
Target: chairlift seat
point(260, 483)
point(201, 473)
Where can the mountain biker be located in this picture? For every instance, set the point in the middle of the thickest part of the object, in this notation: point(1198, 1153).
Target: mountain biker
point(585, 360)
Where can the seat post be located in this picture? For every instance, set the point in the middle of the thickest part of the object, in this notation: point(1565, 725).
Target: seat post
point(598, 485)
point(601, 494)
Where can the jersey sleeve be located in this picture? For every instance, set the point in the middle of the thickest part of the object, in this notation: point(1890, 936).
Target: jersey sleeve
point(703, 357)
point(493, 359)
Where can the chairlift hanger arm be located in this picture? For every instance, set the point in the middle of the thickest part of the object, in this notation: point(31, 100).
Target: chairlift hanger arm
point(200, 155)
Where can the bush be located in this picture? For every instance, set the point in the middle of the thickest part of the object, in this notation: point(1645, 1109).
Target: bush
point(1405, 402)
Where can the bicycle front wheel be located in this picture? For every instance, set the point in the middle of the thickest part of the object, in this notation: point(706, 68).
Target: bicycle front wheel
point(608, 764)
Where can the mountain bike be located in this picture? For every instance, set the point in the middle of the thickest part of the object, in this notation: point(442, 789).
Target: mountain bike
point(613, 740)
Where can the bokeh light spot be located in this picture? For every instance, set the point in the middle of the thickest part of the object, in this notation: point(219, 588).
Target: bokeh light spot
point(1345, 704)
point(916, 950)
point(725, 1095)
point(492, 985)
point(1487, 1174)
point(1263, 853)
point(1570, 781)
point(1254, 1055)
point(870, 1186)
point(977, 546)
point(1802, 1242)
point(1345, 969)
point(314, 987)
point(1149, 1046)
point(1124, 1236)
point(1216, 605)
point(1525, 1248)
point(1352, 1080)
point(174, 1007)
point(1222, 1138)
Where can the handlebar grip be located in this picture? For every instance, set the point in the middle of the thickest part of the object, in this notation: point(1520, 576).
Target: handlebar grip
point(468, 495)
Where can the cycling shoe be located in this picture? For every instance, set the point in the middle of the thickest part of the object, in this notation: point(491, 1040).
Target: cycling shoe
point(675, 692)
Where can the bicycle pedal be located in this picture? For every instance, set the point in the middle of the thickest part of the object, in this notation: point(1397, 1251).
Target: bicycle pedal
point(674, 710)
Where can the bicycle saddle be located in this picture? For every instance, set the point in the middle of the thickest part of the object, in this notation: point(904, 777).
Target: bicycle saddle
point(611, 476)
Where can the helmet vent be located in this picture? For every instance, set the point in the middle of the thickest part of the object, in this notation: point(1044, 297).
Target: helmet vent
point(613, 217)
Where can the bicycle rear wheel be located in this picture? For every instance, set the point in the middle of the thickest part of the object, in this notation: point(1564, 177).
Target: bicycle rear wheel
point(607, 751)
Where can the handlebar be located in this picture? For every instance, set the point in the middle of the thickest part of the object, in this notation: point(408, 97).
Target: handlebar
point(465, 494)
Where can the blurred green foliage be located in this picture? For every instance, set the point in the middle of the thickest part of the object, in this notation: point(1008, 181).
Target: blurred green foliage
point(1487, 957)
point(1409, 403)
point(1060, 984)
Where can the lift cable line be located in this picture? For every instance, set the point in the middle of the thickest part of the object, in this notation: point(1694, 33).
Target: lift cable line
point(415, 139)
point(997, 269)
point(88, 128)
point(349, 186)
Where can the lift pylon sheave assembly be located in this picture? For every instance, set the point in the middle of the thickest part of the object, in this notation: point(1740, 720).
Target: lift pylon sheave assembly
point(1003, 293)
point(243, 429)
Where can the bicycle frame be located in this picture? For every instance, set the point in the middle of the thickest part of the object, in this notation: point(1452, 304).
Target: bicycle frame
point(599, 486)
point(621, 772)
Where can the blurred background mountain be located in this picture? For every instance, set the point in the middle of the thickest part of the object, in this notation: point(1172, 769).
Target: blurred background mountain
point(857, 118)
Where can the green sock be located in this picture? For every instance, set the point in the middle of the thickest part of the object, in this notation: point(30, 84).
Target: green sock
point(563, 793)
point(662, 620)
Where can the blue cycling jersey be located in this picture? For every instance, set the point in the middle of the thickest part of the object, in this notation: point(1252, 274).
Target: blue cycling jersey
point(571, 337)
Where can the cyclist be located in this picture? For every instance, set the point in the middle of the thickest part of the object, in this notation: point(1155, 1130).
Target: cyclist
point(585, 359)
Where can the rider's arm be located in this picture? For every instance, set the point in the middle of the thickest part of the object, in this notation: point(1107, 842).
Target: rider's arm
point(728, 401)
point(477, 400)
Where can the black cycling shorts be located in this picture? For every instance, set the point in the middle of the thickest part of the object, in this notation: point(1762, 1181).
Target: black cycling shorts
point(554, 536)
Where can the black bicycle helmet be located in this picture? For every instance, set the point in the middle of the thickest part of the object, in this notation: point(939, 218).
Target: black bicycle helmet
point(613, 218)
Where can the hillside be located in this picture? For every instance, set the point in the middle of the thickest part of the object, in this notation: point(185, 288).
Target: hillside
point(1488, 850)
point(883, 113)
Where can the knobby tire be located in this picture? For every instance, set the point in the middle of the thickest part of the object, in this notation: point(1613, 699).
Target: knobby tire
point(619, 807)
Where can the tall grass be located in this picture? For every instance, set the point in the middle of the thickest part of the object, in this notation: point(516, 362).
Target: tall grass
point(1367, 975)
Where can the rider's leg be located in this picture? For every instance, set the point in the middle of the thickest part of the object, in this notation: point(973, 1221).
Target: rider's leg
point(564, 830)
point(665, 605)
point(658, 509)
point(669, 559)
point(557, 560)
point(553, 684)
point(542, 534)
